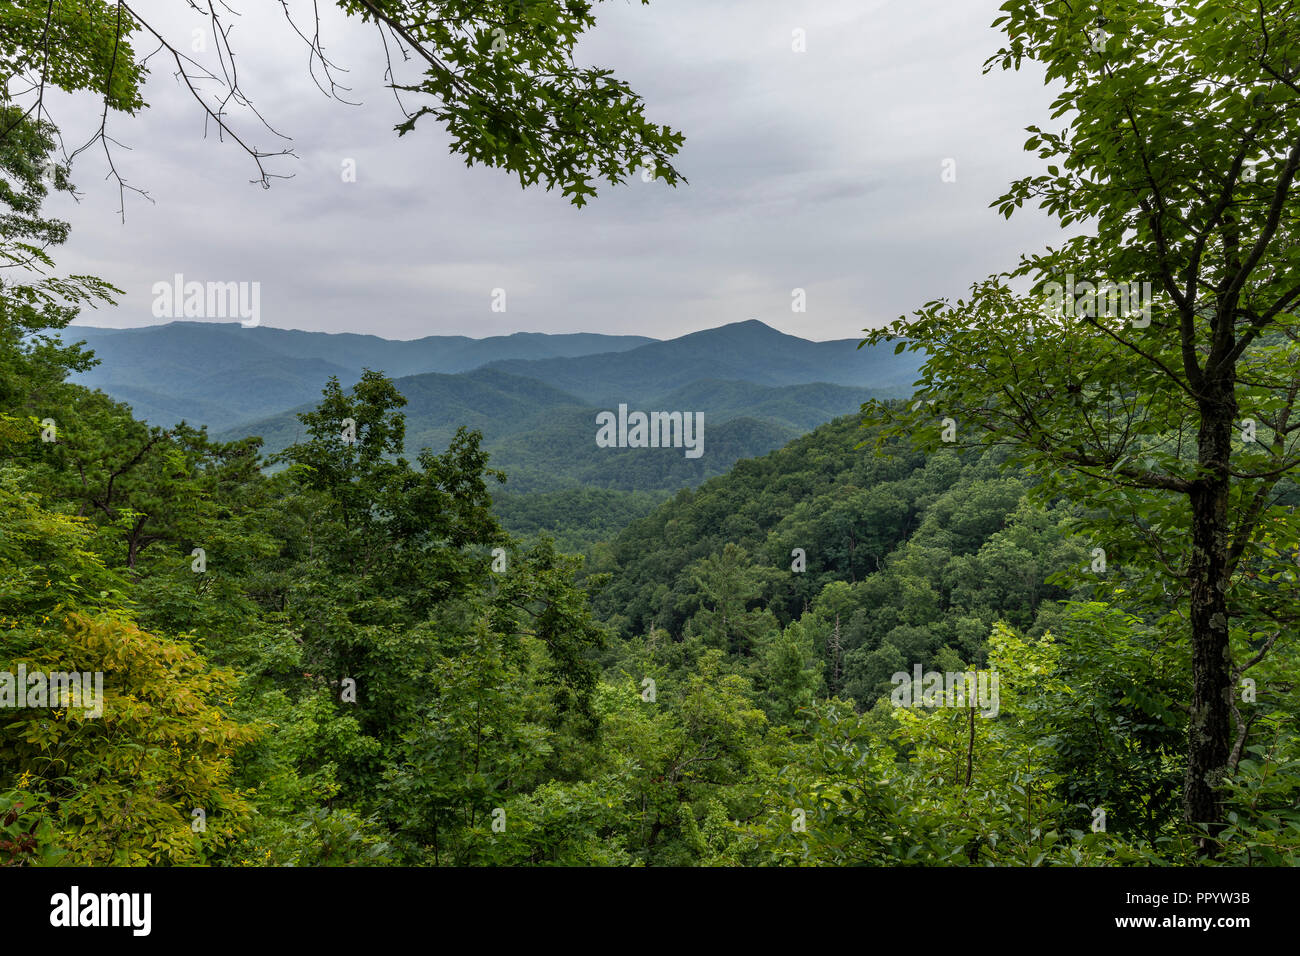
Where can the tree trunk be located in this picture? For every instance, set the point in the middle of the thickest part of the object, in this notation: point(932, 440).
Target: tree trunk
point(1209, 730)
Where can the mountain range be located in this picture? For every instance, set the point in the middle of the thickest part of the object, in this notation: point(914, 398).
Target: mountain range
point(534, 396)
point(220, 374)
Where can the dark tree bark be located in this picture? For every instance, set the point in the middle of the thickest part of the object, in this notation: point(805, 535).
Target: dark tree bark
point(1209, 729)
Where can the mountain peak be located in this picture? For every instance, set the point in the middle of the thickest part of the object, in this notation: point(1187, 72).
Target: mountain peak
point(750, 329)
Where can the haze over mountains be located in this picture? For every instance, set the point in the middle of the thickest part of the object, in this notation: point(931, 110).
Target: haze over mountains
point(534, 396)
point(743, 352)
point(219, 374)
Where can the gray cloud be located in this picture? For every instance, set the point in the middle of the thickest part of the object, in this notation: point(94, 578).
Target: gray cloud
point(817, 170)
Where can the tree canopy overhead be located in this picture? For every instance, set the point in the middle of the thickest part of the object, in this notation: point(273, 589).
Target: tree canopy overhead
point(501, 76)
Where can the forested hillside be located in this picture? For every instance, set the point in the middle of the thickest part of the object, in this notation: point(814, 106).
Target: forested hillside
point(373, 683)
point(544, 437)
point(1031, 600)
point(575, 518)
point(907, 560)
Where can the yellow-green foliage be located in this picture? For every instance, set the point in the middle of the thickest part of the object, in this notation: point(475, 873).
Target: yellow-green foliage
point(119, 787)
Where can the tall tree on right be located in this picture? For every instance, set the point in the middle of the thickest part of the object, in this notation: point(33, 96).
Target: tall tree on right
point(1149, 368)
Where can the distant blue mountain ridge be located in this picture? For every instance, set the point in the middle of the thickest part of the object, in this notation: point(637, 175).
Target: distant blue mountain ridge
point(534, 396)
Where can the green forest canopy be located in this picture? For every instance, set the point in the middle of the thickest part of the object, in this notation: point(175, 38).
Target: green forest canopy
point(350, 661)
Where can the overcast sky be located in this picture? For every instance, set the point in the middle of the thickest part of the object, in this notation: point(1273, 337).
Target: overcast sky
point(820, 170)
